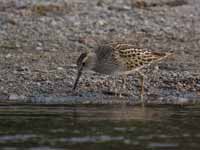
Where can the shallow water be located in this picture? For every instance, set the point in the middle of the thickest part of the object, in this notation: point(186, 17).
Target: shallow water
point(99, 127)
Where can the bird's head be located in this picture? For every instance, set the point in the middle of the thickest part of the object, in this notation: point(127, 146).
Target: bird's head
point(86, 61)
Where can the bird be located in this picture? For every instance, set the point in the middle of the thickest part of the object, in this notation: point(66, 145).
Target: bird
point(118, 59)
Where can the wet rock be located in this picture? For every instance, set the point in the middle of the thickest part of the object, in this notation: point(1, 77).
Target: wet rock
point(15, 97)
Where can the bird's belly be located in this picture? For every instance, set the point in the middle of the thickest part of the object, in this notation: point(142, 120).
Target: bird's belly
point(107, 69)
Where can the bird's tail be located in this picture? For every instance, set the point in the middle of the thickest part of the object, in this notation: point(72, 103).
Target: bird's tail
point(161, 56)
point(169, 54)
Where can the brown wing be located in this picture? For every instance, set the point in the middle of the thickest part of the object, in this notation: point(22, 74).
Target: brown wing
point(121, 46)
point(132, 58)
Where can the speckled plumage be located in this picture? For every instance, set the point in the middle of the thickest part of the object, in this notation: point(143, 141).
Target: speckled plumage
point(124, 58)
point(117, 58)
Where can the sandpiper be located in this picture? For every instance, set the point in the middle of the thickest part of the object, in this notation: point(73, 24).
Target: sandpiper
point(118, 59)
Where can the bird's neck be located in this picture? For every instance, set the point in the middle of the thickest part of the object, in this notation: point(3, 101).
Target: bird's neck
point(92, 60)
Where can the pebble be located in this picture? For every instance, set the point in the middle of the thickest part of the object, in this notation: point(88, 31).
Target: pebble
point(8, 55)
point(60, 68)
point(14, 97)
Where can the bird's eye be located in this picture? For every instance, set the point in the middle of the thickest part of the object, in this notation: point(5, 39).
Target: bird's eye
point(83, 63)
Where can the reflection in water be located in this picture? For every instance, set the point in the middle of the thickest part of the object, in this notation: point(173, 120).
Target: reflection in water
point(86, 139)
point(162, 145)
point(99, 127)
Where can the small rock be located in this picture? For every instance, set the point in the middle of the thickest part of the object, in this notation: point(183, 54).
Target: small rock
point(8, 55)
point(53, 23)
point(13, 97)
point(198, 85)
point(60, 68)
point(38, 48)
point(182, 101)
point(101, 22)
point(38, 84)
point(53, 50)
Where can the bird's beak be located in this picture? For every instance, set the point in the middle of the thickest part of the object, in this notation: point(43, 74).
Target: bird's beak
point(77, 78)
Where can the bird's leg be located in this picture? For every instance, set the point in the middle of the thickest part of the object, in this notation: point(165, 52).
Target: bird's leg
point(124, 81)
point(115, 86)
point(142, 76)
point(124, 76)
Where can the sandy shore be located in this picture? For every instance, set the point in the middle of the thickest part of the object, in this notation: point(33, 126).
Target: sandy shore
point(40, 42)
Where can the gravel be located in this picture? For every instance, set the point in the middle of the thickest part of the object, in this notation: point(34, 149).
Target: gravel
point(41, 40)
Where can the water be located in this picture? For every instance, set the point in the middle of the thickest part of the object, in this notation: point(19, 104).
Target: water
point(99, 127)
